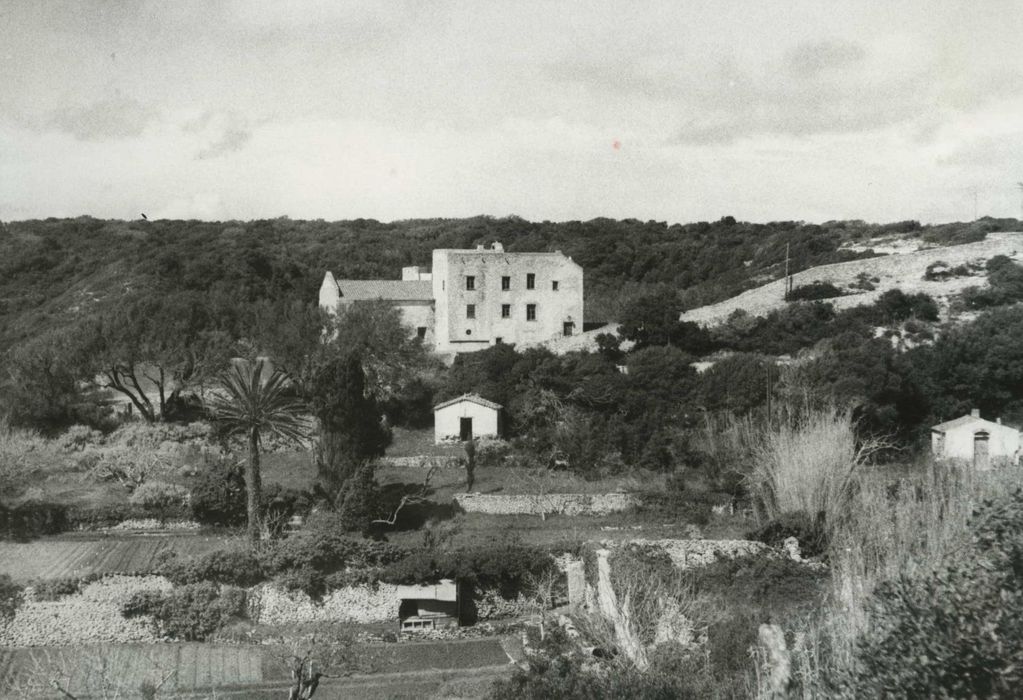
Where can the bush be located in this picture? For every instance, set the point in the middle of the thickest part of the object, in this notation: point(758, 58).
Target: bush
point(226, 566)
point(813, 292)
point(103, 516)
point(504, 567)
point(192, 612)
point(159, 497)
point(55, 589)
point(955, 632)
point(218, 497)
point(11, 597)
point(32, 519)
point(809, 530)
point(77, 437)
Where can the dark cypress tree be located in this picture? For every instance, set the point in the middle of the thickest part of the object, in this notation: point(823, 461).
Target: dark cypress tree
point(351, 431)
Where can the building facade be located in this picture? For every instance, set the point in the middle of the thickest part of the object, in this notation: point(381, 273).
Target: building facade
point(465, 418)
point(983, 443)
point(478, 297)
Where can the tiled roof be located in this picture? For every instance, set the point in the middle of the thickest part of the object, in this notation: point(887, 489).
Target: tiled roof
point(388, 290)
point(474, 398)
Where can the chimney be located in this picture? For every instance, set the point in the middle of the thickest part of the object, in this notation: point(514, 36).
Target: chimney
point(975, 413)
point(998, 420)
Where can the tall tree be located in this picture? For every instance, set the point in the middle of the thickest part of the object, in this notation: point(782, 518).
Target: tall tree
point(351, 431)
point(254, 406)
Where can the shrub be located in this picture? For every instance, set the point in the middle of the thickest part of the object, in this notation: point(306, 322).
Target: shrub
point(813, 292)
point(218, 497)
point(236, 567)
point(953, 632)
point(32, 519)
point(159, 497)
point(809, 530)
point(55, 589)
point(10, 597)
point(77, 437)
point(192, 612)
point(102, 516)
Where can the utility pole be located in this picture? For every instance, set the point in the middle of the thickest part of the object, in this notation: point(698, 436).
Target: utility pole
point(1020, 186)
point(788, 280)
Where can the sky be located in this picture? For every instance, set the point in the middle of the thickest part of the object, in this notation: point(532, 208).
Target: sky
point(674, 111)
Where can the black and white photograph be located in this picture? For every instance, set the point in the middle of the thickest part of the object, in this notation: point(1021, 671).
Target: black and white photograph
point(551, 349)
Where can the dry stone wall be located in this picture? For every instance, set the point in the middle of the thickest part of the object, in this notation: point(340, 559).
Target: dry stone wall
point(271, 605)
point(548, 504)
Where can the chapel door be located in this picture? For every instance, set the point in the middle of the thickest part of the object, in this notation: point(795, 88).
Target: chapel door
point(465, 429)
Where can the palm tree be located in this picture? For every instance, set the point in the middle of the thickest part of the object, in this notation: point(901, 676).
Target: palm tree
point(254, 407)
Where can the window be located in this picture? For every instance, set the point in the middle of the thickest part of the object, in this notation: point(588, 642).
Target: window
point(530, 312)
point(505, 284)
point(505, 310)
point(421, 332)
point(470, 311)
point(567, 328)
point(554, 286)
point(470, 282)
point(498, 340)
point(530, 280)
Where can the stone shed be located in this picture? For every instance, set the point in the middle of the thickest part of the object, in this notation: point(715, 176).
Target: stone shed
point(466, 417)
point(976, 440)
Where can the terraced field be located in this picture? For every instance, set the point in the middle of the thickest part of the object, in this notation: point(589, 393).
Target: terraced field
point(399, 670)
point(73, 557)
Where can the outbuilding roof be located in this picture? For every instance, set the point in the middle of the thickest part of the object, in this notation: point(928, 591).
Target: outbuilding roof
point(964, 421)
point(474, 398)
point(388, 290)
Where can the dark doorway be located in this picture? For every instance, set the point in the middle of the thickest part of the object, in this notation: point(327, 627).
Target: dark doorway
point(465, 429)
point(568, 328)
point(981, 453)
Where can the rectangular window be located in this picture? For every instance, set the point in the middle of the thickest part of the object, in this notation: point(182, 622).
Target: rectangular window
point(554, 285)
point(505, 284)
point(498, 340)
point(530, 312)
point(470, 282)
point(530, 280)
point(470, 311)
point(421, 331)
point(505, 310)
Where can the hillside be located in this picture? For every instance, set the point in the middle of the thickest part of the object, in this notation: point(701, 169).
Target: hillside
point(56, 272)
point(903, 268)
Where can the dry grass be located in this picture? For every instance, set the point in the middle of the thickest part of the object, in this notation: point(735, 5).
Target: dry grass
point(807, 461)
point(889, 533)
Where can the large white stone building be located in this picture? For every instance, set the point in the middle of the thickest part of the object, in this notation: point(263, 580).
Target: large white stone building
point(478, 297)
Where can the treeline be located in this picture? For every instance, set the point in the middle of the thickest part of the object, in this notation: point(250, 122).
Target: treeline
point(56, 269)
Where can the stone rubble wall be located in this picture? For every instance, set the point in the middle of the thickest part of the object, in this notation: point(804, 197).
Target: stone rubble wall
point(90, 616)
point(548, 504)
point(423, 462)
point(271, 605)
point(687, 554)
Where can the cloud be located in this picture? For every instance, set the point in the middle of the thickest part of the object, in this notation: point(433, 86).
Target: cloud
point(111, 118)
point(232, 140)
point(811, 58)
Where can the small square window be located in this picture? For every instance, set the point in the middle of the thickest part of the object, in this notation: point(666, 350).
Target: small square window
point(554, 285)
point(498, 340)
point(470, 282)
point(505, 284)
point(530, 280)
point(421, 331)
point(505, 310)
point(470, 311)
point(530, 312)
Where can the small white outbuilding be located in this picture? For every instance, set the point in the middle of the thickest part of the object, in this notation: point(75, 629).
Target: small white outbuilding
point(466, 417)
point(974, 439)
